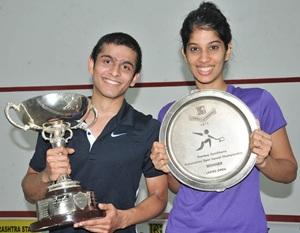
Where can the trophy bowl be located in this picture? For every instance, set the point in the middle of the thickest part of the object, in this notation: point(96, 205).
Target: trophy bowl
point(207, 138)
point(36, 111)
point(56, 115)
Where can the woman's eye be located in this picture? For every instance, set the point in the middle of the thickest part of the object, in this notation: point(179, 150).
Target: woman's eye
point(193, 49)
point(214, 47)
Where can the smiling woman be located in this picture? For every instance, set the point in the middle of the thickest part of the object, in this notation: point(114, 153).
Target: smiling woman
point(206, 39)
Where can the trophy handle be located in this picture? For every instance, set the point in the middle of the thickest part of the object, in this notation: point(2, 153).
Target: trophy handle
point(54, 132)
point(18, 108)
point(82, 124)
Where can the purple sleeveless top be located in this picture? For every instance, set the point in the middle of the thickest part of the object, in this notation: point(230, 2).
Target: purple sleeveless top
point(237, 209)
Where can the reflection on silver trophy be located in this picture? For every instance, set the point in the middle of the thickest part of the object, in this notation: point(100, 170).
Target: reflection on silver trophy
point(56, 115)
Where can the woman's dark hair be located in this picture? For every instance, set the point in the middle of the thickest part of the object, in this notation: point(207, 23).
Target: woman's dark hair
point(209, 17)
point(119, 38)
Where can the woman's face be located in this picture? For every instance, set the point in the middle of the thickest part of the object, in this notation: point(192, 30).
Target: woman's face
point(205, 55)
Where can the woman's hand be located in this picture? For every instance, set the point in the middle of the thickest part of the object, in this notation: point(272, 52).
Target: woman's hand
point(159, 157)
point(261, 145)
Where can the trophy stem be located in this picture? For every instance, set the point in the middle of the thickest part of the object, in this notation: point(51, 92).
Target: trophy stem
point(55, 130)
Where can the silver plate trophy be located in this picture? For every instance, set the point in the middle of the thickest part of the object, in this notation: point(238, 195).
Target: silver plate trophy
point(56, 115)
point(207, 137)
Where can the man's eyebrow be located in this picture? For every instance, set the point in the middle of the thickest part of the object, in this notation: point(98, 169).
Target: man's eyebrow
point(104, 55)
point(122, 62)
point(128, 63)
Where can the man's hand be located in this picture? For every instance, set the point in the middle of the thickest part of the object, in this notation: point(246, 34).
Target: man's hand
point(114, 219)
point(57, 164)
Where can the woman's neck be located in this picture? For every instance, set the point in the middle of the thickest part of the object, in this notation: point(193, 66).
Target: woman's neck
point(222, 86)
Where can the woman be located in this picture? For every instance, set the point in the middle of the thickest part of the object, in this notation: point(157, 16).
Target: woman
point(206, 38)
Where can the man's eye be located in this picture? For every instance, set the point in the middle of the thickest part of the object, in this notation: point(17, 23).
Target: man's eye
point(107, 61)
point(127, 67)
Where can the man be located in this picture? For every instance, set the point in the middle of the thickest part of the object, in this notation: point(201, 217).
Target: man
point(111, 156)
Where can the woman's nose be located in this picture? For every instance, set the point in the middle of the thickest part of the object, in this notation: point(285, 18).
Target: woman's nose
point(204, 56)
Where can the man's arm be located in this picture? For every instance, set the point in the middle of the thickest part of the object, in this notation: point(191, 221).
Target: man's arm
point(34, 185)
point(149, 208)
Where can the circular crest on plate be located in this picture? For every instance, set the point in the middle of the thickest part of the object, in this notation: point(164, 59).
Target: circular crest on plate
point(207, 137)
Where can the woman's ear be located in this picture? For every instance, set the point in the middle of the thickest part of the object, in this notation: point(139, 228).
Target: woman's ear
point(91, 66)
point(183, 54)
point(228, 52)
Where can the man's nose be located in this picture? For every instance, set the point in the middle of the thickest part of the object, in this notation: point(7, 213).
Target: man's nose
point(115, 69)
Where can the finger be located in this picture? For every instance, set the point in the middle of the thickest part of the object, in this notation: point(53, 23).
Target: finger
point(102, 206)
point(158, 154)
point(70, 151)
point(165, 168)
point(101, 222)
point(106, 207)
point(257, 123)
point(159, 161)
point(60, 150)
point(259, 134)
point(96, 229)
point(157, 147)
point(261, 139)
point(88, 223)
point(262, 151)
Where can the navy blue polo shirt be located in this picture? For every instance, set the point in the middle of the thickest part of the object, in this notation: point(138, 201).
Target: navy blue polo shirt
point(113, 166)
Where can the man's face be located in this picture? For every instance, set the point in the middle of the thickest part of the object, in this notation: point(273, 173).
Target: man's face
point(114, 70)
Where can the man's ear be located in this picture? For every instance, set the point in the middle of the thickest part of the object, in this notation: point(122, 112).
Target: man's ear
point(91, 66)
point(228, 52)
point(136, 77)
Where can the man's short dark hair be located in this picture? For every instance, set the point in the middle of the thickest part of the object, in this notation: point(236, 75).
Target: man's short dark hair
point(119, 38)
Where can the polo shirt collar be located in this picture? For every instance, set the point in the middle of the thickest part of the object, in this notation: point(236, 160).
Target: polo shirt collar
point(125, 114)
point(124, 118)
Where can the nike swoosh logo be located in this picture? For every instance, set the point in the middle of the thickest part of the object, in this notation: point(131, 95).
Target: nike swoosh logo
point(114, 135)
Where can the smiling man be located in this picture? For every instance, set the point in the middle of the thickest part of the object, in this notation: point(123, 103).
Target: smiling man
point(111, 156)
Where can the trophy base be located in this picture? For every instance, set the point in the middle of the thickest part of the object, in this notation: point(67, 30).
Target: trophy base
point(66, 203)
point(65, 220)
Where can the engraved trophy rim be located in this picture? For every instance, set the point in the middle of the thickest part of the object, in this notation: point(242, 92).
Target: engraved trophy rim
point(176, 115)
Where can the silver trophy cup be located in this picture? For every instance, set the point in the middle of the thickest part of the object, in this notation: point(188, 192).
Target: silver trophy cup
point(56, 115)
